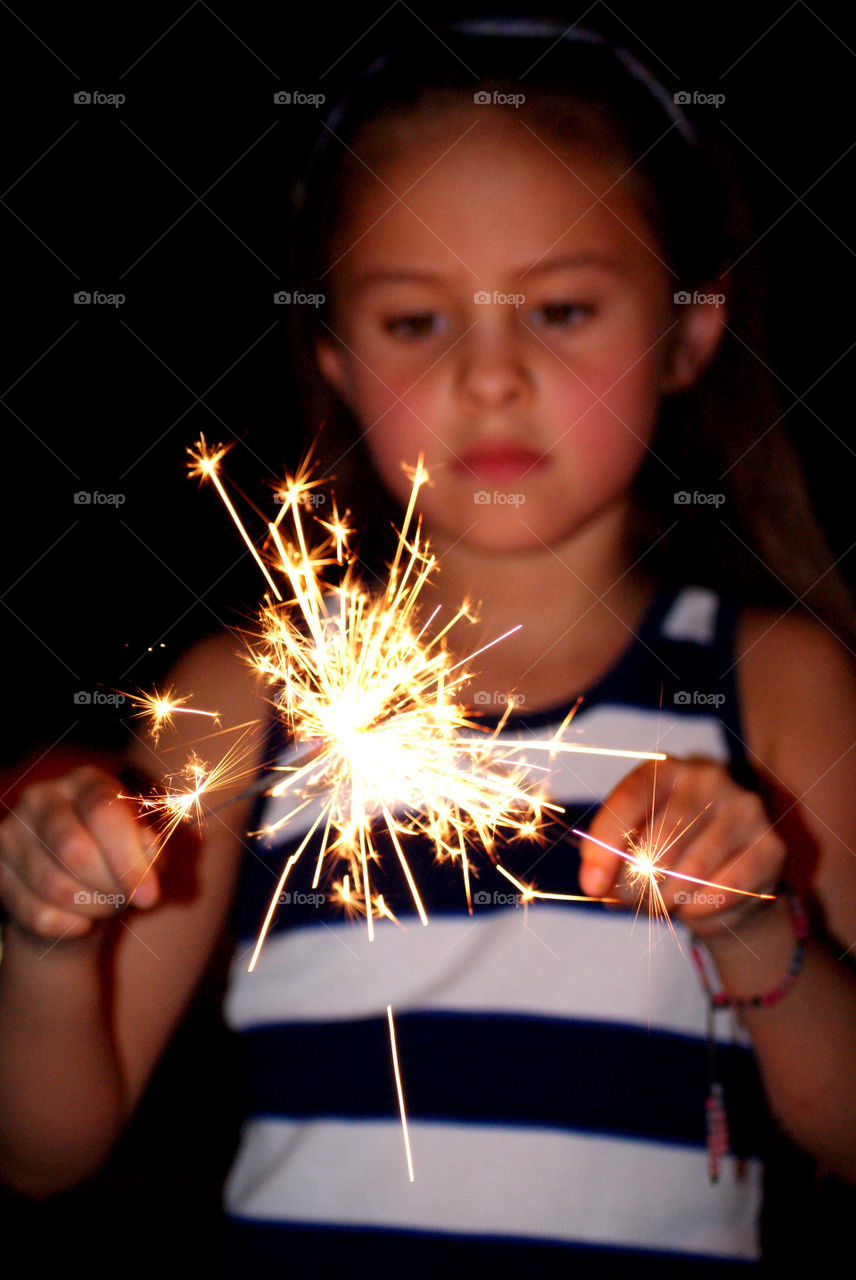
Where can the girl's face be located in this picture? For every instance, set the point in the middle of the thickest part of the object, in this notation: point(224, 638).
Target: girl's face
point(509, 317)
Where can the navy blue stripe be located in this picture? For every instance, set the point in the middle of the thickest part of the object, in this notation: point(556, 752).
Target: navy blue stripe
point(502, 1069)
point(266, 1251)
point(553, 865)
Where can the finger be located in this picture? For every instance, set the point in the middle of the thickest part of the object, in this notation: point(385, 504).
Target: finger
point(625, 810)
point(49, 878)
point(34, 913)
point(47, 832)
point(125, 842)
point(734, 827)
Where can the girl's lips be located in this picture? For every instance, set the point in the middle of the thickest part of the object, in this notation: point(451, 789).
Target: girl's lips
point(500, 461)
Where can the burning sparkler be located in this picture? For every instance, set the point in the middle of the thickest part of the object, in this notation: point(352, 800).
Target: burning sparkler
point(372, 694)
point(161, 707)
point(645, 857)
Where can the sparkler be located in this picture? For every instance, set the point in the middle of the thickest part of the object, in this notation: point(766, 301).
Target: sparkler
point(161, 707)
point(370, 695)
point(645, 857)
point(373, 695)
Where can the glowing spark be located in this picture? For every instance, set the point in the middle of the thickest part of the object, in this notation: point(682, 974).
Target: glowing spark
point(373, 696)
point(400, 1091)
point(529, 893)
point(161, 707)
point(180, 798)
point(645, 861)
point(205, 463)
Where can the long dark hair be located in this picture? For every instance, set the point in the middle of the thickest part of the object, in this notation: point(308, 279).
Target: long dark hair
point(758, 540)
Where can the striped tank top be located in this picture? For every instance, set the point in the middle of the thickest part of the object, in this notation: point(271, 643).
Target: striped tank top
point(554, 1056)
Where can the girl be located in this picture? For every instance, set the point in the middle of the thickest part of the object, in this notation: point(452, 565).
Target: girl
point(523, 289)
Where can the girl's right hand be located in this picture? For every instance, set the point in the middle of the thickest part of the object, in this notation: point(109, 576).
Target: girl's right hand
point(71, 855)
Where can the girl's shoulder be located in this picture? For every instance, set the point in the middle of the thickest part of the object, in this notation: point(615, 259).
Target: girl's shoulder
point(796, 678)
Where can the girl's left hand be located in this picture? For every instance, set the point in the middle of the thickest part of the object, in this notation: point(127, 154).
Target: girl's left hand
point(710, 828)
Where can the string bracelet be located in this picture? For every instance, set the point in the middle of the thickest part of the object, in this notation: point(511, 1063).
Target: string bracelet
point(718, 1140)
point(720, 1000)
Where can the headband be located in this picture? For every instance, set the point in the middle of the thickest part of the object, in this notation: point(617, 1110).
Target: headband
point(514, 28)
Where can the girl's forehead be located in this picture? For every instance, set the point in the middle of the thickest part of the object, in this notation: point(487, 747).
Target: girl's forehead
point(473, 186)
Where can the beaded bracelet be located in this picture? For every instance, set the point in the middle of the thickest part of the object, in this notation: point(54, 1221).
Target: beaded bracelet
point(719, 999)
point(716, 1117)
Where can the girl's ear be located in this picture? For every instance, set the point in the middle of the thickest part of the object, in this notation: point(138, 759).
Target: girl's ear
point(698, 336)
point(332, 367)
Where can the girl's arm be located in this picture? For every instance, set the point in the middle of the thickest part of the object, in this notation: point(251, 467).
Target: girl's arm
point(798, 693)
point(89, 995)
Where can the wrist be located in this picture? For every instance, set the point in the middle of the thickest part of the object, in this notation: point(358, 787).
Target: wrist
point(760, 925)
point(758, 965)
point(18, 937)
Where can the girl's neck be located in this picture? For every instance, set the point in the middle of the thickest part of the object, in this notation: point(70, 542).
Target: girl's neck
point(577, 606)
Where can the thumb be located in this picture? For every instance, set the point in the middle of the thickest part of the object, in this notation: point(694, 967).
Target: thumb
point(147, 887)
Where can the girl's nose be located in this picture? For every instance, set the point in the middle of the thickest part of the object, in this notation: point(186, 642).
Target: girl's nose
point(492, 369)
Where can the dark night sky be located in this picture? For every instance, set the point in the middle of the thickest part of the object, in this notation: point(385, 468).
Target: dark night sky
point(175, 199)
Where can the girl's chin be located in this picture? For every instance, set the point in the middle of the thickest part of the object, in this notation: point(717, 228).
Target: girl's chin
point(502, 537)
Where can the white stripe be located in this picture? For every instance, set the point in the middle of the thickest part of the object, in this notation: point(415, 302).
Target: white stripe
point(542, 960)
point(502, 1181)
point(692, 616)
point(574, 778)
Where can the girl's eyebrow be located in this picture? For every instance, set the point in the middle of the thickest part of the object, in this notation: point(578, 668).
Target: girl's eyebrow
point(592, 258)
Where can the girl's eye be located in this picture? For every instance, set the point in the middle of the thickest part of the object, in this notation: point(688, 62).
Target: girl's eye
point(417, 324)
point(562, 315)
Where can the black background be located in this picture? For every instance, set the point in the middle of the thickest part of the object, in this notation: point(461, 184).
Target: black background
point(176, 200)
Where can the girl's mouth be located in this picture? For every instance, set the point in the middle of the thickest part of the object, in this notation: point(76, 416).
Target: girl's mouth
point(500, 461)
